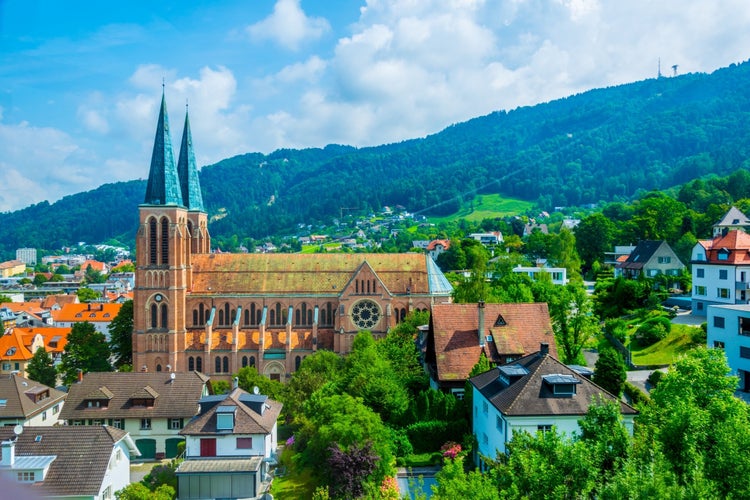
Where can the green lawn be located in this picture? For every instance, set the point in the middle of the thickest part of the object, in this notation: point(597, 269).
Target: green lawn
point(487, 206)
point(293, 484)
point(664, 352)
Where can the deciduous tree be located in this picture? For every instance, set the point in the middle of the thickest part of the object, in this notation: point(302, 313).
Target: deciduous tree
point(121, 335)
point(86, 350)
point(41, 368)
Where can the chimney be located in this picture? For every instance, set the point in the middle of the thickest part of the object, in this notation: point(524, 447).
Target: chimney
point(80, 375)
point(544, 349)
point(9, 452)
point(235, 382)
point(480, 330)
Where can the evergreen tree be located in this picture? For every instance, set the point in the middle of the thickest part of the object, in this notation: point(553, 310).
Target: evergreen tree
point(42, 369)
point(87, 350)
point(121, 335)
point(610, 372)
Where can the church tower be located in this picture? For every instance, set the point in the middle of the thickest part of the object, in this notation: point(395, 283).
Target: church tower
point(173, 225)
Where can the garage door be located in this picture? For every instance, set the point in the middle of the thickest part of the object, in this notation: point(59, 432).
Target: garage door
point(171, 447)
point(147, 447)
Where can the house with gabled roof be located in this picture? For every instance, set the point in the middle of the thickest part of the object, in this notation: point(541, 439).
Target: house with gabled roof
point(29, 313)
point(459, 333)
point(28, 403)
point(721, 271)
point(230, 446)
point(153, 407)
point(733, 220)
point(98, 314)
point(18, 345)
point(532, 394)
point(86, 463)
point(650, 259)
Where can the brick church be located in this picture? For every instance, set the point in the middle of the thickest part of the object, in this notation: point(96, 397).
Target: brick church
point(218, 312)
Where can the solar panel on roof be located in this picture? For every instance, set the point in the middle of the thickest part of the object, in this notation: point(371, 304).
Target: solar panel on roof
point(513, 370)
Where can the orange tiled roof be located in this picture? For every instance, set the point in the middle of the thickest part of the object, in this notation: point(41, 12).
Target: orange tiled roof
point(13, 348)
point(431, 245)
point(34, 308)
point(736, 242)
point(93, 313)
point(50, 300)
point(95, 265)
point(456, 342)
point(304, 273)
point(50, 334)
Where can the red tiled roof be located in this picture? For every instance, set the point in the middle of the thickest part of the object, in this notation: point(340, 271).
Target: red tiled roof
point(737, 243)
point(454, 328)
point(93, 313)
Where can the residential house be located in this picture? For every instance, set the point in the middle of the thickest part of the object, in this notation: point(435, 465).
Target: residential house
point(559, 275)
point(27, 256)
point(98, 314)
point(650, 259)
point(11, 268)
point(84, 463)
point(619, 255)
point(436, 247)
point(30, 313)
point(533, 226)
point(230, 445)
point(153, 407)
point(733, 220)
point(534, 393)
point(721, 271)
point(55, 302)
point(729, 330)
point(459, 333)
point(95, 265)
point(28, 403)
point(491, 238)
point(18, 345)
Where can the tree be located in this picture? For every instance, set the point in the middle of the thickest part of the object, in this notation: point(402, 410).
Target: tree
point(605, 435)
point(572, 320)
point(87, 350)
point(86, 294)
point(399, 347)
point(453, 481)
point(594, 236)
point(314, 372)
point(121, 335)
point(4, 299)
point(94, 276)
point(41, 368)
point(248, 378)
point(610, 372)
point(139, 491)
point(348, 469)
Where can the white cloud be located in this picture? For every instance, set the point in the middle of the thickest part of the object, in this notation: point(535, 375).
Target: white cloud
point(289, 26)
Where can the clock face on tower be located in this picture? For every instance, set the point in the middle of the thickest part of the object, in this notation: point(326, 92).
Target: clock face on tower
point(365, 314)
point(158, 297)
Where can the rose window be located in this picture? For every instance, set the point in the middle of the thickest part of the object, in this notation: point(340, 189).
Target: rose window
point(365, 314)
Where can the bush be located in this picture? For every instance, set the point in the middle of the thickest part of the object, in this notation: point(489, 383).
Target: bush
point(636, 395)
point(618, 328)
point(655, 377)
point(653, 330)
point(432, 434)
point(401, 444)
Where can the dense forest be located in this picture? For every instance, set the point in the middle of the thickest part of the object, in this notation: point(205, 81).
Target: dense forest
point(599, 146)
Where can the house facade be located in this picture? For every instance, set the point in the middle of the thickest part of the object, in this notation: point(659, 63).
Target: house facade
point(733, 220)
point(18, 346)
point(152, 407)
point(650, 259)
point(721, 271)
point(86, 463)
point(230, 446)
point(99, 314)
point(459, 333)
point(534, 393)
point(558, 275)
point(729, 330)
point(218, 312)
point(28, 403)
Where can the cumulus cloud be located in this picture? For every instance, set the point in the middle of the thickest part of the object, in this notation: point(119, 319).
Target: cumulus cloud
point(289, 26)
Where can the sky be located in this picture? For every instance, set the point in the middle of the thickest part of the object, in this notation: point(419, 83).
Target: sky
point(81, 81)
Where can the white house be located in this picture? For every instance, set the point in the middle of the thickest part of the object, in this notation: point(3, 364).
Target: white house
point(721, 271)
point(230, 445)
point(533, 393)
point(86, 463)
point(28, 403)
point(732, 220)
point(650, 259)
point(559, 275)
point(729, 329)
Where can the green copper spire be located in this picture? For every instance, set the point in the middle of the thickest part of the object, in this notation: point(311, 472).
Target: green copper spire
point(163, 184)
point(188, 172)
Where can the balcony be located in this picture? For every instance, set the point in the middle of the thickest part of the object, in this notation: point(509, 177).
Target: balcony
point(741, 285)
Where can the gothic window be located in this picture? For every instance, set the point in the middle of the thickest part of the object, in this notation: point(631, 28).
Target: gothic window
point(195, 317)
point(217, 365)
point(233, 316)
point(356, 286)
point(309, 317)
point(164, 240)
point(244, 361)
point(227, 319)
point(199, 364)
point(252, 360)
point(201, 315)
point(278, 315)
point(297, 317)
point(158, 368)
point(164, 315)
point(221, 316)
point(272, 318)
point(225, 364)
point(152, 241)
point(368, 287)
point(154, 316)
point(191, 364)
point(373, 286)
point(297, 362)
point(252, 314)
point(365, 314)
point(247, 317)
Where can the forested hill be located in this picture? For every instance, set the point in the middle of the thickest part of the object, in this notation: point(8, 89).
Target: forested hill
point(596, 146)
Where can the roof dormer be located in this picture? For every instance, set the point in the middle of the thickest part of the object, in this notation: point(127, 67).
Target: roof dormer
point(99, 398)
point(561, 384)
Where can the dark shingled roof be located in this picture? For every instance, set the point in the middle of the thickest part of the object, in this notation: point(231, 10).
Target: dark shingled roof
point(177, 398)
point(83, 453)
point(247, 419)
point(455, 339)
point(17, 392)
point(641, 254)
point(530, 395)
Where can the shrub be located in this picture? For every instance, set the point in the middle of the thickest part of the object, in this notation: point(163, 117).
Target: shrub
point(655, 377)
point(431, 434)
point(401, 444)
point(618, 328)
point(636, 395)
point(653, 330)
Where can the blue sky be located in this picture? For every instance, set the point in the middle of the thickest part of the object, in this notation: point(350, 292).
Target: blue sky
point(80, 81)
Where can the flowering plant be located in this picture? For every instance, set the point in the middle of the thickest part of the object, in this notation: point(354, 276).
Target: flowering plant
point(450, 450)
point(290, 442)
point(389, 488)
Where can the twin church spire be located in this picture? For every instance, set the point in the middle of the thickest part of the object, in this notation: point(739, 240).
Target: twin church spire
point(167, 184)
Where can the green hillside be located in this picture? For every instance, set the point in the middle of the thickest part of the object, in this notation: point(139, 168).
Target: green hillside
point(603, 145)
